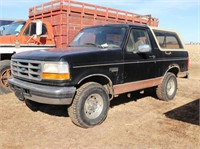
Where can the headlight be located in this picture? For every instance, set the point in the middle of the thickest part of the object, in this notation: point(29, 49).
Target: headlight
point(56, 71)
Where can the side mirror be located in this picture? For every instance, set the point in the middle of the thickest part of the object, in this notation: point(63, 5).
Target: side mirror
point(144, 48)
point(38, 27)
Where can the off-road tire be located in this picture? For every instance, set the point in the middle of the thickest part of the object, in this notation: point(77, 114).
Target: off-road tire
point(77, 112)
point(4, 66)
point(166, 91)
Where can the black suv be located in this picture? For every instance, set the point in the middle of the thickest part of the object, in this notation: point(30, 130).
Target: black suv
point(99, 64)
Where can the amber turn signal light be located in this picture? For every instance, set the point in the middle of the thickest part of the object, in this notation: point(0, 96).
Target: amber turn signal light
point(56, 76)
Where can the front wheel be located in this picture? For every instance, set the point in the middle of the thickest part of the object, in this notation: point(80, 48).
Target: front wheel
point(5, 74)
point(167, 89)
point(90, 105)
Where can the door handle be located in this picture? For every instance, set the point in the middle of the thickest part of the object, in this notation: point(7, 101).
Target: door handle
point(152, 56)
point(114, 70)
point(168, 52)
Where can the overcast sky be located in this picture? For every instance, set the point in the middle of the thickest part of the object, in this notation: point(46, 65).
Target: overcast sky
point(180, 15)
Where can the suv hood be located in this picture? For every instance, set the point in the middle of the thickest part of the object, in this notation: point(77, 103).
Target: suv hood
point(74, 55)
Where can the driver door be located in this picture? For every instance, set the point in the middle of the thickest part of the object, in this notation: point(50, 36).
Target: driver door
point(138, 66)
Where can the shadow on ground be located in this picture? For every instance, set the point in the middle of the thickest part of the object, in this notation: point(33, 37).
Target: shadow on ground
point(133, 96)
point(189, 113)
point(55, 110)
point(61, 110)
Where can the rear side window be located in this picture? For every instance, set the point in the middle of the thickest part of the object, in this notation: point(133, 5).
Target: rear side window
point(168, 40)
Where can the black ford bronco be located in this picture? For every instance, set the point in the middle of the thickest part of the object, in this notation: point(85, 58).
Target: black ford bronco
point(99, 64)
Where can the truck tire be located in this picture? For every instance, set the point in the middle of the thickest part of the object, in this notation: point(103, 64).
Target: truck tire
point(5, 74)
point(167, 89)
point(90, 105)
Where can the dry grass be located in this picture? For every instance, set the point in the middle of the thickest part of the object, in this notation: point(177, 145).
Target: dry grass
point(194, 52)
point(139, 121)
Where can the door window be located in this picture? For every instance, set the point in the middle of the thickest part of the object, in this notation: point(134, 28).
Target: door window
point(31, 30)
point(137, 37)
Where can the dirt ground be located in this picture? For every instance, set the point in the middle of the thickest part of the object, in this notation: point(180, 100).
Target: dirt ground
point(140, 122)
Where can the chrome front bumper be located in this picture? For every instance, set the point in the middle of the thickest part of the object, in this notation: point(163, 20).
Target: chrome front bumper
point(42, 93)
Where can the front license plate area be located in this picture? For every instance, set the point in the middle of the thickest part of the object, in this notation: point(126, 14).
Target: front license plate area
point(19, 93)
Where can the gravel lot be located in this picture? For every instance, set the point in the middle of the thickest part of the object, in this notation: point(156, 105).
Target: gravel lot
point(140, 121)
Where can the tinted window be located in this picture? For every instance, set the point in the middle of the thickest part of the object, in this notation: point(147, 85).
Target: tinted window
point(5, 22)
point(168, 40)
point(103, 36)
point(14, 28)
point(137, 37)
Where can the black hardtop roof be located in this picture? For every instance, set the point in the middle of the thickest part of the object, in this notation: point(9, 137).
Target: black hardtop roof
point(121, 25)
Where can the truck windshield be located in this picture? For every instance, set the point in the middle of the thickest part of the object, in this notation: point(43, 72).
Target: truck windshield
point(14, 28)
point(103, 37)
point(3, 25)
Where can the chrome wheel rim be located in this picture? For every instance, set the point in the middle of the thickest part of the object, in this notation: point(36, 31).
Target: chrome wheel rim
point(170, 87)
point(93, 106)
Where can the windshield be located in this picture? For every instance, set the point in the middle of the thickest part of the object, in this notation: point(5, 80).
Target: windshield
point(103, 37)
point(14, 28)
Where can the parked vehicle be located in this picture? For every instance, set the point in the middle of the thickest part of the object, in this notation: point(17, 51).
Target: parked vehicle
point(60, 21)
point(4, 24)
point(99, 64)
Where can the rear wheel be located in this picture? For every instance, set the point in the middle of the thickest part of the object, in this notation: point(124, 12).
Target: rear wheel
point(5, 74)
point(167, 89)
point(90, 105)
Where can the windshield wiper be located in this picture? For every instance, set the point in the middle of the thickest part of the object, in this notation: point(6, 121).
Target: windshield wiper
point(93, 44)
point(8, 34)
point(89, 44)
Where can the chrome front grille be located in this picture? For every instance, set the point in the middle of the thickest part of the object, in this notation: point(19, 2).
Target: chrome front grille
point(26, 69)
